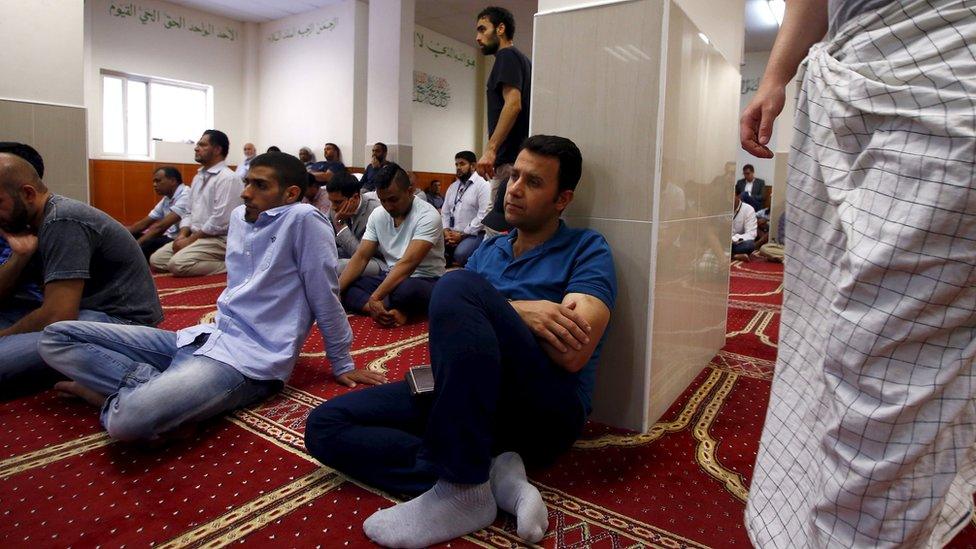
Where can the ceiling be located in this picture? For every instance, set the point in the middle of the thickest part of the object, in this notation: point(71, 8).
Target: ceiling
point(256, 11)
point(761, 27)
point(455, 18)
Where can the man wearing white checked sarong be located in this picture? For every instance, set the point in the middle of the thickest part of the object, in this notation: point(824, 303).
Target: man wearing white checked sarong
point(869, 437)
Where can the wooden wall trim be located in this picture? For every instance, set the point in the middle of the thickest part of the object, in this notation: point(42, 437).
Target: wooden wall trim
point(123, 188)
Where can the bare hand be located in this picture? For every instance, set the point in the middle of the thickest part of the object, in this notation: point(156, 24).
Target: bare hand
point(346, 211)
point(180, 243)
point(452, 237)
point(24, 244)
point(350, 379)
point(486, 165)
point(377, 311)
point(556, 324)
point(756, 123)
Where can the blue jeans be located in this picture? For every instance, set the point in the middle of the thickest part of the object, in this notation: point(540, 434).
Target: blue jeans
point(495, 391)
point(152, 385)
point(460, 254)
point(744, 247)
point(18, 353)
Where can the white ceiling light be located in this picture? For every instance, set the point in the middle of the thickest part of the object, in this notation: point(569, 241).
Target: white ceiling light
point(703, 37)
point(777, 8)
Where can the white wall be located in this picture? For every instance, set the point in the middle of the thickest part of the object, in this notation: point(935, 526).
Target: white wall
point(722, 21)
point(42, 43)
point(139, 44)
point(307, 73)
point(439, 132)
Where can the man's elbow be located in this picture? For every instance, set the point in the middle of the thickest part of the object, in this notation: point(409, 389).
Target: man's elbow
point(58, 313)
point(571, 362)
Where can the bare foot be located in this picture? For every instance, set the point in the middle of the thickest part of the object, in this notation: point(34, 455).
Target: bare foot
point(75, 389)
point(741, 257)
point(399, 319)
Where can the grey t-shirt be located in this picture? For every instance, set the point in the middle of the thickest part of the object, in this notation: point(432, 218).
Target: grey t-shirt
point(840, 12)
point(77, 241)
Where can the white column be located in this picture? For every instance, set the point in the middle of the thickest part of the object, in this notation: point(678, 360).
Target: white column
point(389, 92)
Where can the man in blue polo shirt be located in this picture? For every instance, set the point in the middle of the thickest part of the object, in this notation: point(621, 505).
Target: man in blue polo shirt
point(514, 343)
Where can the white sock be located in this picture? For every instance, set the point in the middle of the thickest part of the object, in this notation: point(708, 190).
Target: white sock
point(444, 512)
point(514, 494)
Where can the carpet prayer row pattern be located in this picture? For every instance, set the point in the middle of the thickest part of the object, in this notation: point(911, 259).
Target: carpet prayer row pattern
point(246, 478)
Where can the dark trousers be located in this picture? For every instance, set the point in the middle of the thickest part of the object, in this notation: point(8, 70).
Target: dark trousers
point(153, 244)
point(411, 297)
point(495, 391)
point(744, 247)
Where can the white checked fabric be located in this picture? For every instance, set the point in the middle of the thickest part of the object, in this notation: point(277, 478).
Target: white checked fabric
point(869, 436)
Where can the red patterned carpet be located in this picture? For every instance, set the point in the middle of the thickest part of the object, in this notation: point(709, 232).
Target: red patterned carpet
point(247, 479)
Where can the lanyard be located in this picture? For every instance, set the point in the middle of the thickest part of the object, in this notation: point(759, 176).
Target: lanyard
point(457, 198)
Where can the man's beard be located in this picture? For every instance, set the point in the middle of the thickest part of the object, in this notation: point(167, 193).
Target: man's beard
point(464, 176)
point(490, 48)
point(19, 218)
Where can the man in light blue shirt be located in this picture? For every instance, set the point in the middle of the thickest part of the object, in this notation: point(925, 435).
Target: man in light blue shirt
point(161, 226)
point(281, 261)
point(407, 233)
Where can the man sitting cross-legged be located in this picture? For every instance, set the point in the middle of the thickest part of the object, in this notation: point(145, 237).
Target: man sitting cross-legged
point(514, 342)
point(89, 266)
point(281, 260)
point(407, 232)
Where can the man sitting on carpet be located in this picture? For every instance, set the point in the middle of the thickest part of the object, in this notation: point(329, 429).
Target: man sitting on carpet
point(88, 264)
point(407, 232)
point(514, 342)
point(281, 260)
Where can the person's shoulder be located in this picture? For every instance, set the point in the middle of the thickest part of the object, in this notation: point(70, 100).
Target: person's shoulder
point(747, 208)
point(63, 207)
point(586, 239)
point(426, 209)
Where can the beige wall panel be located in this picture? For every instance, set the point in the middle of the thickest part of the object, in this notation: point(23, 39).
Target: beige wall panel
point(778, 199)
point(700, 114)
point(619, 395)
point(16, 121)
point(596, 81)
point(723, 22)
point(60, 136)
point(690, 296)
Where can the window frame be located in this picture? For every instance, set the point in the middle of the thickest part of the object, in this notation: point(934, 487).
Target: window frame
point(148, 81)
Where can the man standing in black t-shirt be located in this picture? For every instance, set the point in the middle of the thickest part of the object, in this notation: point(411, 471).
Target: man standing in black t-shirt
point(88, 264)
point(509, 87)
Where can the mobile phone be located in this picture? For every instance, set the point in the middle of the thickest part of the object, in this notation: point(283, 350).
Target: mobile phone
point(420, 379)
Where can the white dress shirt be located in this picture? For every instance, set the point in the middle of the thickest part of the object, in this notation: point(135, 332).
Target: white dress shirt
point(744, 224)
point(466, 204)
point(215, 192)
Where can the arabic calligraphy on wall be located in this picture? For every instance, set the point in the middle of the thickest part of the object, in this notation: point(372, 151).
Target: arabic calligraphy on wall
point(431, 90)
point(172, 22)
point(305, 31)
point(749, 85)
point(439, 50)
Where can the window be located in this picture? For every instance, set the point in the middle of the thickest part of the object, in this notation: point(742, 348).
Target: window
point(138, 109)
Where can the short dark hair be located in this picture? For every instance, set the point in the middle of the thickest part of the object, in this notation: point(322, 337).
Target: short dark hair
point(289, 170)
point(390, 174)
point(378, 144)
point(170, 172)
point(343, 182)
point(219, 139)
point(25, 152)
point(466, 155)
point(748, 167)
point(564, 150)
point(274, 149)
point(500, 16)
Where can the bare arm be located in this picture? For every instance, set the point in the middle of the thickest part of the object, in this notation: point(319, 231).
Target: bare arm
point(62, 300)
point(160, 227)
point(569, 331)
point(140, 225)
point(804, 24)
point(506, 121)
point(415, 253)
point(354, 269)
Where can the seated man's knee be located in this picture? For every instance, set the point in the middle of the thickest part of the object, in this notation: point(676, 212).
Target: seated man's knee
point(182, 266)
point(454, 286)
point(321, 431)
point(128, 423)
